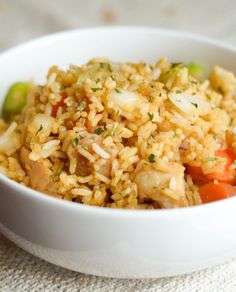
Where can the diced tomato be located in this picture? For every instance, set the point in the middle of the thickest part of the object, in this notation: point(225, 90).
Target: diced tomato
point(60, 103)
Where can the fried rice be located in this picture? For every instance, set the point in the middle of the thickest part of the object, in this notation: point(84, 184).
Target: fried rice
point(122, 135)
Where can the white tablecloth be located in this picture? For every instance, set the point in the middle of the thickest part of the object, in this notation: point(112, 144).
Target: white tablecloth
point(19, 271)
point(21, 20)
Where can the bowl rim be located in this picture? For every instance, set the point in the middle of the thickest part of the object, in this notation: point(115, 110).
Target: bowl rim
point(32, 194)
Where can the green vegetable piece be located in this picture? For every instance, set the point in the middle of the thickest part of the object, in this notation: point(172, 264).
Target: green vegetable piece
point(151, 116)
point(99, 130)
point(195, 70)
point(151, 158)
point(15, 99)
point(75, 141)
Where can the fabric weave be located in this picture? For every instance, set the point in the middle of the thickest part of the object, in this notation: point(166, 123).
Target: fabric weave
point(20, 271)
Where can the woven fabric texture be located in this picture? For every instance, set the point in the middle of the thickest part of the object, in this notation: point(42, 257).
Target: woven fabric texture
point(20, 271)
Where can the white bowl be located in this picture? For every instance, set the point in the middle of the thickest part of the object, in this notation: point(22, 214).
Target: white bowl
point(108, 242)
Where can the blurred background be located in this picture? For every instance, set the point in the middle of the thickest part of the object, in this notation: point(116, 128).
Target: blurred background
point(21, 20)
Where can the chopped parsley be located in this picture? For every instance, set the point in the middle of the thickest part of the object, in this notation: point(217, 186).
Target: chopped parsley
point(178, 91)
point(39, 130)
point(95, 89)
point(112, 77)
point(151, 158)
point(109, 67)
point(97, 80)
point(58, 171)
point(117, 90)
point(81, 106)
point(75, 141)
point(212, 158)
point(160, 94)
point(105, 65)
point(195, 104)
point(99, 130)
point(150, 115)
point(174, 65)
point(151, 98)
point(231, 121)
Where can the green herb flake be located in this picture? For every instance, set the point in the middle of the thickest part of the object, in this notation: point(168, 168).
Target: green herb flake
point(151, 158)
point(58, 171)
point(101, 65)
point(195, 104)
point(235, 175)
point(212, 158)
point(160, 94)
point(178, 91)
point(117, 90)
point(150, 115)
point(39, 130)
point(95, 89)
point(174, 65)
point(99, 130)
point(112, 77)
point(151, 98)
point(97, 80)
point(231, 121)
point(109, 67)
point(75, 141)
point(81, 106)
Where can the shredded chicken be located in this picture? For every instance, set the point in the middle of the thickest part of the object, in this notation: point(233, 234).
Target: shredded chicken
point(38, 172)
point(164, 187)
point(79, 164)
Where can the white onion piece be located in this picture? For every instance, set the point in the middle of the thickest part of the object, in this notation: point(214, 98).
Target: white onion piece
point(123, 99)
point(41, 124)
point(190, 104)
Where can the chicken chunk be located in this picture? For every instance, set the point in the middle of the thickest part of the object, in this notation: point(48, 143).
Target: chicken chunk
point(38, 172)
point(79, 164)
point(166, 188)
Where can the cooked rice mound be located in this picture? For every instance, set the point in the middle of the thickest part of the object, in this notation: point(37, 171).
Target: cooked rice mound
point(121, 134)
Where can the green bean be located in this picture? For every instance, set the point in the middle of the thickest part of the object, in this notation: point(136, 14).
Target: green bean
point(15, 99)
point(195, 70)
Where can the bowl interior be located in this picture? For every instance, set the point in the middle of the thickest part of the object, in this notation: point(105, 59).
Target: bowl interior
point(32, 60)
